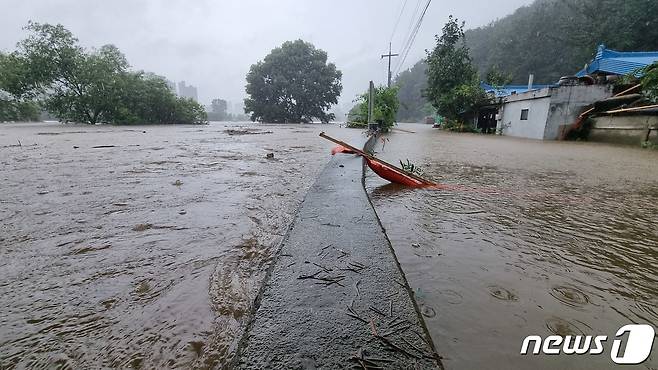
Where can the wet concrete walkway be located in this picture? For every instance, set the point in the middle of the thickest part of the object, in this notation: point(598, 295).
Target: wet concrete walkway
point(336, 297)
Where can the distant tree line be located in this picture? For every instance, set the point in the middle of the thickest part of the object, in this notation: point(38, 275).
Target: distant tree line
point(550, 38)
point(50, 70)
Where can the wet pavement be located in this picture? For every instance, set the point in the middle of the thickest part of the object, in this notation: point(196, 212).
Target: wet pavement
point(141, 247)
point(533, 238)
point(336, 297)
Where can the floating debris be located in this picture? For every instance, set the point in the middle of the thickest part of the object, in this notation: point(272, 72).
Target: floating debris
point(142, 227)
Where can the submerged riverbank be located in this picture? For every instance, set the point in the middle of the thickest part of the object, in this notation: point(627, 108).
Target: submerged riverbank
point(142, 246)
point(533, 238)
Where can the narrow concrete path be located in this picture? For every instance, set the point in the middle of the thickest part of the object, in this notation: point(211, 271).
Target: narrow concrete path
point(336, 291)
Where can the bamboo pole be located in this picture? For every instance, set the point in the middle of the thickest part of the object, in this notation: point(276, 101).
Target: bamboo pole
point(582, 115)
point(632, 109)
point(370, 157)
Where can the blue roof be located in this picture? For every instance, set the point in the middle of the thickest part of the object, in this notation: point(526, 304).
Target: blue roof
point(507, 90)
point(618, 62)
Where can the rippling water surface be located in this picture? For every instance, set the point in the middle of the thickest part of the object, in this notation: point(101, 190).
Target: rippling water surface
point(532, 238)
point(146, 254)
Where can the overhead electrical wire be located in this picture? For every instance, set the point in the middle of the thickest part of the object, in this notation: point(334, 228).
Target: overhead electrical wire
point(412, 37)
point(398, 21)
point(411, 23)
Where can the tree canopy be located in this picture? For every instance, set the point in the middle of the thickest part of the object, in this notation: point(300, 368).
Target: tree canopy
point(452, 81)
point(94, 86)
point(294, 83)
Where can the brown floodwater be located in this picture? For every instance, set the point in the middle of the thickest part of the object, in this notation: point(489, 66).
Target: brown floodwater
point(142, 247)
point(533, 238)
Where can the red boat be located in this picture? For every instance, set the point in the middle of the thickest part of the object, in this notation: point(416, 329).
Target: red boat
point(384, 170)
point(394, 176)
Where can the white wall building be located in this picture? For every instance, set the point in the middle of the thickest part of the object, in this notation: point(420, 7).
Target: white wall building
point(542, 114)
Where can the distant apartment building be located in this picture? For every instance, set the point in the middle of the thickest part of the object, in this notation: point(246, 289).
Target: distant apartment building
point(187, 91)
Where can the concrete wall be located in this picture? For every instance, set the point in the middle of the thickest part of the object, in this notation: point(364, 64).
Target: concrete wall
point(632, 130)
point(537, 103)
point(549, 110)
point(568, 102)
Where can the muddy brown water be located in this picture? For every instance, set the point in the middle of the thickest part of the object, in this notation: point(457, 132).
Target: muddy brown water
point(142, 247)
point(534, 238)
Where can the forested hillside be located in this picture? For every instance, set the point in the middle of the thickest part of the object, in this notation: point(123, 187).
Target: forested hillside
point(550, 38)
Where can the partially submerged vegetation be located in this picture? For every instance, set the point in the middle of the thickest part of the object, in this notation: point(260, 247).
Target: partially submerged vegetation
point(50, 70)
point(384, 110)
point(411, 168)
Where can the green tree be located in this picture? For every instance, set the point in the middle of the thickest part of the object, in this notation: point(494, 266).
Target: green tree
point(89, 89)
point(294, 83)
point(146, 98)
point(15, 102)
point(18, 110)
point(452, 86)
point(384, 110)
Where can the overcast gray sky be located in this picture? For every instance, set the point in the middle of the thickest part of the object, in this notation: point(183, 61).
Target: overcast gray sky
point(211, 44)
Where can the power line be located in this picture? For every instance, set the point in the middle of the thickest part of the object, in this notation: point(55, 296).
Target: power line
point(398, 21)
point(406, 51)
point(407, 36)
point(411, 23)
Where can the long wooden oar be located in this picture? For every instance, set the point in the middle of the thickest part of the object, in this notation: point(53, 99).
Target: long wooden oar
point(369, 157)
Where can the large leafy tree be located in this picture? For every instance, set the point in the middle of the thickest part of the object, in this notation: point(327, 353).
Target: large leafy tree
point(294, 83)
point(89, 89)
point(452, 81)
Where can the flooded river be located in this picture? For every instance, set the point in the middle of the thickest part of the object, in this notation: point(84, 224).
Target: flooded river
point(144, 247)
point(534, 238)
point(141, 247)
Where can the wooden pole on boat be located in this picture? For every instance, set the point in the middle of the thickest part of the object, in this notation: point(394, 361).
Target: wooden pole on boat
point(370, 157)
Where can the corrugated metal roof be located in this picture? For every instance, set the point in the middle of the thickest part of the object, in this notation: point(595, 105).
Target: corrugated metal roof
point(618, 62)
point(508, 90)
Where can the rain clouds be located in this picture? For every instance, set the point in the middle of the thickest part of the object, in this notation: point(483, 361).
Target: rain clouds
point(211, 44)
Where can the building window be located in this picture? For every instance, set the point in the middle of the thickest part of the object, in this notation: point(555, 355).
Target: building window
point(524, 114)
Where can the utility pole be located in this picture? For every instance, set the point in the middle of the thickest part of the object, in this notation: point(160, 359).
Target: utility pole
point(371, 101)
point(389, 56)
